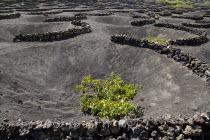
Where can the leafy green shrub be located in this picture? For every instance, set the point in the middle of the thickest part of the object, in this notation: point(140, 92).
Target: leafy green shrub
point(207, 3)
point(166, 2)
point(108, 99)
point(180, 2)
point(183, 6)
point(163, 2)
point(158, 40)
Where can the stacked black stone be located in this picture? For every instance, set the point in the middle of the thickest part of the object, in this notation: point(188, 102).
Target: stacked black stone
point(202, 21)
point(142, 22)
point(51, 36)
point(176, 12)
point(6, 11)
point(54, 36)
point(119, 11)
point(129, 128)
point(80, 23)
point(198, 67)
point(166, 13)
point(5, 8)
point(141, 11)
point(202, 35)
point(36, 13)
point(76, 17)
point(140, 16)
point(154, 15)
point(183, 28)
point(10, 16)
point(191, 41)
point(77, 10)
point(102, 14)
point(197, 25)
point(32, 10)
point(45, 13)
point(194, 17)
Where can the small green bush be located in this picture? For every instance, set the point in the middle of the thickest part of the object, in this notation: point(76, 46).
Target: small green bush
point(157, 40)
point(185, 6)
point(163, 2)
point(207, 3)
point(108, 99)
point(180, 2)
point(167, 2)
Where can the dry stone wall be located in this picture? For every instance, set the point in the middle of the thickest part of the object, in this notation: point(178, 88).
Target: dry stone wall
point(101, 14)
point(80, 23)
point(77, 10)
point(45, 13)
point(141, 16)
point(6, 11)
point(197, 66)
point(194, 17)
point(10, 16)
point(5, 8)
point(119, 11)
point(202, 21)
point(183, 28)
point(142, 22)
point(163, 128)
point(33, 10)
point(197, 25)
point(76, 17)
point(54, 36)
point(153, 15)
point(190, 41)
point(166, 13)
point(202, 35)
point(176, 12)
point(141, 11)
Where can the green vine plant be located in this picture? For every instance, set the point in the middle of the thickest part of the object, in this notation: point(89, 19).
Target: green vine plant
point(184, 6)
point(170, 2)
point(157, 40)
point(108, 99)
point(207, 3)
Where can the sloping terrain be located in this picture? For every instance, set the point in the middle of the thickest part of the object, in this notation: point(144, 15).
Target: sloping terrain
point(38, 79)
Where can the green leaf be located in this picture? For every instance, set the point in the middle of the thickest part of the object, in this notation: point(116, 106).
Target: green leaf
point(108, 99)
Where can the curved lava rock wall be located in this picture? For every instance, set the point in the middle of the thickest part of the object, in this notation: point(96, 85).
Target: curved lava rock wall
point(142, 22)
point(10, 16)
point(53, 36)
point(163, 128)
point(76, 17)
point(200, 68)
point(194, 17)
point(202, 35)
point(197, 25)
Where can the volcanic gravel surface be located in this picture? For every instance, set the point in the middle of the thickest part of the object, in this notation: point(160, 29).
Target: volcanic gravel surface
point(38, 79)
